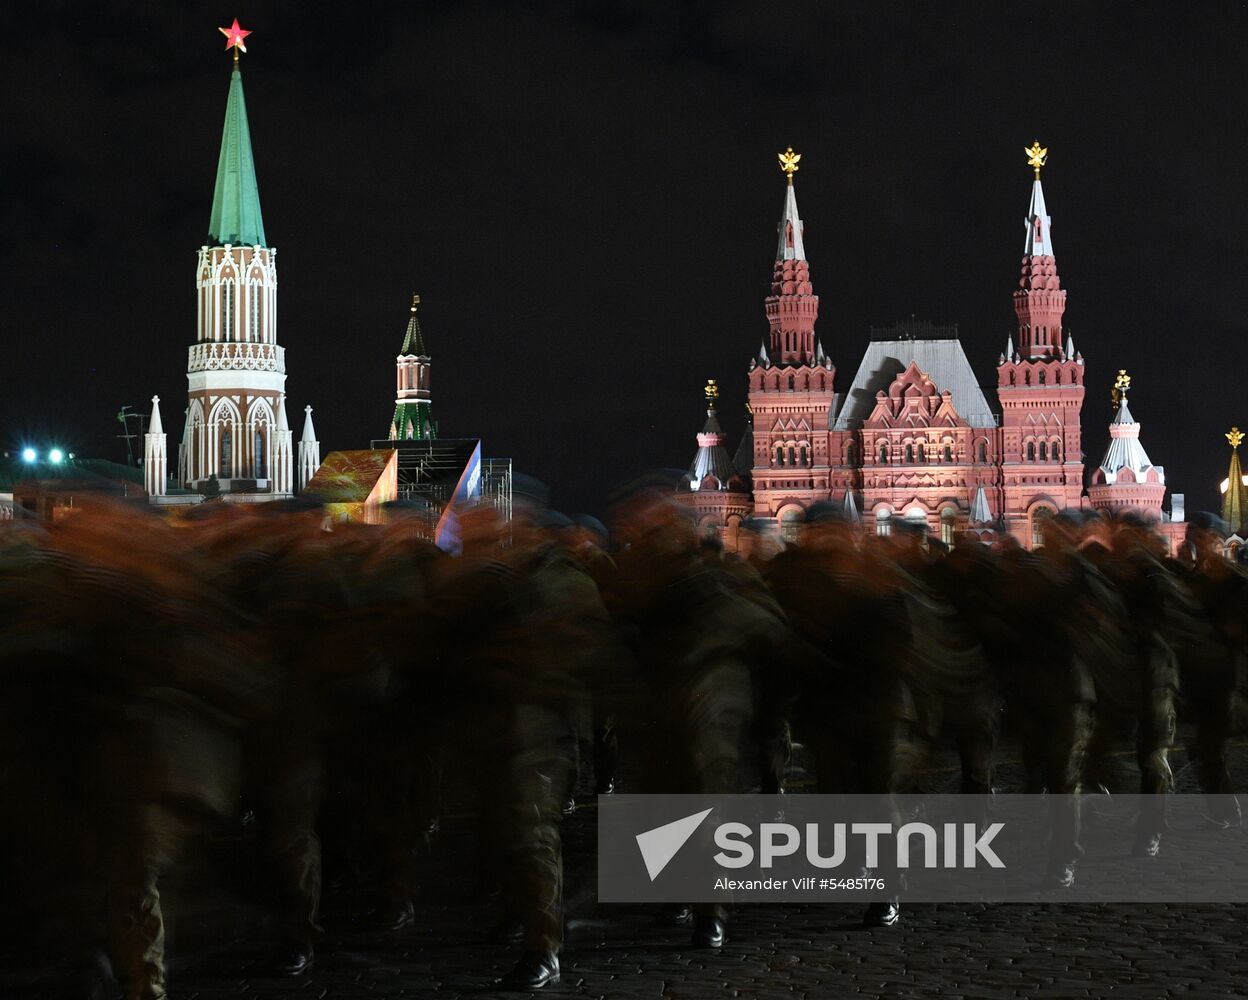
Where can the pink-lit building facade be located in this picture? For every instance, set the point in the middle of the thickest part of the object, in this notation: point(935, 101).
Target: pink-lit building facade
point(912, 434)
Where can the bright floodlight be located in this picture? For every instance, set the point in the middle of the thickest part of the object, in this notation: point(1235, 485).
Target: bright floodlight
point(55, 455)
point(29, 454)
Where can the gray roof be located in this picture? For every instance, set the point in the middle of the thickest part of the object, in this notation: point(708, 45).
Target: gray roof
point(943, 361)
point(711, 459)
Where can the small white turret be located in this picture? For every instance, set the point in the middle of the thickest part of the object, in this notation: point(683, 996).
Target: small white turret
point(283, 453)
point(155, 454)
point(309, 450)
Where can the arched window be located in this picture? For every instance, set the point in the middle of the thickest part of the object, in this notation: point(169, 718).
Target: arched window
point(884, 523)
point(909, 454)
point(227, 309)
point(883, 454)
point(982, 453)
point(1031, 451)
point(254, 298)
point(1057, 377)
point(792, 455)
point(948, 522)
point(790, 525)
point(1039, 518)
point(1012, 379)
point(1057, 451)
point(779, 455)
point(948, 452)
point(227, 453)
point(1044, 452)
point(802, 457)
point(792, 382)
point(260, 464)
point(851, 454)
point(922, 454)
point(1026, 378)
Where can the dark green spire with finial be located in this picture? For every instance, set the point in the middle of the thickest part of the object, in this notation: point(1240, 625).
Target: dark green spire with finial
point(413, 342)
point(413, 409)
point(236, 199)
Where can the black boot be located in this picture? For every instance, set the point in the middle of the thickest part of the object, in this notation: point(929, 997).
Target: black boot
point(708, 932)
point(534, 970)
point(293, 958)
point(882, 914)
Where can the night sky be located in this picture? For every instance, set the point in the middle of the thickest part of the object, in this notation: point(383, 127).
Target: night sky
point(586, 195)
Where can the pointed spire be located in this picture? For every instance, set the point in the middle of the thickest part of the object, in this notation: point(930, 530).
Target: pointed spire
point(236, 199)
point(1070, 346)
point(309, 433)
point(1009, 348)
point(851, 508)
point(763, 359)
point(413, 340)
point(1234, 494)
point(154, 425)
point(155, 454)
point(712, 458)
point(282, 423)
point(790, 245)
point(980, 514)
point(1039, 241)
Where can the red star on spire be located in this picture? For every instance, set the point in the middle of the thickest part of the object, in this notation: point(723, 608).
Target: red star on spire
point(234, 36)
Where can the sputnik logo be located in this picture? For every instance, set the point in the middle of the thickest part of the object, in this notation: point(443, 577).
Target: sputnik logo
point(659, 846)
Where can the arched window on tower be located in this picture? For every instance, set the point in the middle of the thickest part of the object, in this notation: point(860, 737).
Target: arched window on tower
point(792, 455)
point(261, 466)
point(851, 454)
point(910, 454)
point(922, 454)
point(227, 309)
point(227, 453)
point(253, 294)
point(1057, 451)
point(1044, 452)
point(981, 453)
point(883, 454)
point(1042, 376)
point(802, 457)
point(1031, 451)
point(948, 451)
point(779, 455)
point(792, 382)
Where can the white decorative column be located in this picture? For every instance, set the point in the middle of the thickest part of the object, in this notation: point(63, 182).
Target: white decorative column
point(155, 454)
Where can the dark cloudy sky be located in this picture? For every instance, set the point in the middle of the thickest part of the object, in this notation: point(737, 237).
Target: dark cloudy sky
point(586, 195)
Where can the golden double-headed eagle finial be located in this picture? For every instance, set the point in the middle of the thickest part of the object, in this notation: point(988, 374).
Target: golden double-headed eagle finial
point(1036, 155)
point(1122, 385)
point(788, 162)
point(1235, 436)
point(712, 391)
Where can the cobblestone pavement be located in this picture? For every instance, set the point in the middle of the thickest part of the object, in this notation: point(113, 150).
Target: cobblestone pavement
point(816, 951)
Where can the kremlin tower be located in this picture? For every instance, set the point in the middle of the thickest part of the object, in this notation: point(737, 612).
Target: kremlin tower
point(413, 419)
point(712, 488)
point(237, 431)
point(1126, 479)
point(1234, 494)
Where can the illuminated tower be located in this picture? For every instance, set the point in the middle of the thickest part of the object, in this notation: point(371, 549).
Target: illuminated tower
point(413, 399)
point(1040, 384)
point(791, 379)
point(1234, 505)
point(236, 371)
point(712, 487)
point(1126, 479)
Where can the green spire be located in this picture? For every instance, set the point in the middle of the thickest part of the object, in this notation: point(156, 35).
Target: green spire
point(236, 200)
point(413, 342)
